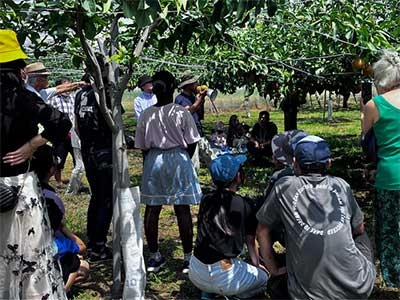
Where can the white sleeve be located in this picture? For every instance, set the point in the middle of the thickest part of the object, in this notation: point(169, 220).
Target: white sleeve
point(48, 93)
point(190, 132)
point(140, 140)
point(137, 108)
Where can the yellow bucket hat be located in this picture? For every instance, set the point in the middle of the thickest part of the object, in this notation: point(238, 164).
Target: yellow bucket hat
point(9, 47)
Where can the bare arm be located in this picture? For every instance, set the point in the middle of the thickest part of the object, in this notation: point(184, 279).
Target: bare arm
point(253, 251)
point(265, 242)
point(369, 116)
point(69, 234)
point(24, 152)
point(68, 87)
point(199, 101)
point(359, 230)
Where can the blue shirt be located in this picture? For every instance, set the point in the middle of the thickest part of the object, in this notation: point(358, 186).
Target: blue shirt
point(143, 101)
point(186, 100)
point(65, 245)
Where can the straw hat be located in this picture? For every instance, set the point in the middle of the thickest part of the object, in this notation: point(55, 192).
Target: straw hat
point(37, 68)
point(187, 78)
point(10, 49)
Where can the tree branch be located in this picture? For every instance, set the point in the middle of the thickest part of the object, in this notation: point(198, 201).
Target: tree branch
point(145, 35)
point(98, 87)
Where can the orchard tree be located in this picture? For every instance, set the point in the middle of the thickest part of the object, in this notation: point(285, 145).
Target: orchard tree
point(118, 31)
point(301, 47)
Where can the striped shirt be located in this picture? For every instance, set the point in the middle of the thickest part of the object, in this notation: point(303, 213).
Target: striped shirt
point(64, 103)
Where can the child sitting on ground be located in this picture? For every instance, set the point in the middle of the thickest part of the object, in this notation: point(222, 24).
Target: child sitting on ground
point(225, 222)
point(68, 245)
point(218, 138)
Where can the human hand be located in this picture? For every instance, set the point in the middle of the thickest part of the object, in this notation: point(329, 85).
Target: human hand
point(79, 84)
point(20, 155)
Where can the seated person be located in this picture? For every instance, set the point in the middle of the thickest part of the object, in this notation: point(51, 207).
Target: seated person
point(235, 131)
point(262, 133)
point(218, 138)
point(328, 253)
point(225, 222)
point(68, 245)
point(282, 155)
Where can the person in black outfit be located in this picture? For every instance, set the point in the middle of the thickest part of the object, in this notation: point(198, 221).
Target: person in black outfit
point(96, 147)
point(262, 133)
point(225, 222)
point(26, 267)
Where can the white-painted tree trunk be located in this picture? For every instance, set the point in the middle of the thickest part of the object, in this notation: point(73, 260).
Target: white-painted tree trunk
point(330, 108)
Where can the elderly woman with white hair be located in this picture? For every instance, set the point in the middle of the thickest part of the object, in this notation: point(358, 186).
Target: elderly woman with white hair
point(383, 114)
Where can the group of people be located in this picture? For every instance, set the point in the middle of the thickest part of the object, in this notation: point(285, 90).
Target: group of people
point(40, 258)
point(312, 214)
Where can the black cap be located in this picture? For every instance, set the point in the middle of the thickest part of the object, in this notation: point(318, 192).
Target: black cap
point(143, 80)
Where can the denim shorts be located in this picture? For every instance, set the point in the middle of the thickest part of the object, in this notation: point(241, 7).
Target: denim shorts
point(228, 277)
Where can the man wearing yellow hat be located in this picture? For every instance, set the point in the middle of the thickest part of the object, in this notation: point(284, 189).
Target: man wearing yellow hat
point(38, 82)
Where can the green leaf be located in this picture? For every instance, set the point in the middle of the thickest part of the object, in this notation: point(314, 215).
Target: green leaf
point(184, 4)
point(107, 6)
point(201, 4)
point(76, 61)
point(89, 6)
point(129, 11)
point(90, 29)
point(241, 9)
point(164, 13)
point(371, 46)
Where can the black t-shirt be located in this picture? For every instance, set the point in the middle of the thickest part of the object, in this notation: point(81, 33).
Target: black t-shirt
point(264, 134)
point(212, 243)
point(20, 113)
point(93, 129)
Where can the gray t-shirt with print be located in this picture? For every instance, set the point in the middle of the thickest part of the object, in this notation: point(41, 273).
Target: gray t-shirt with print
point(318, 213)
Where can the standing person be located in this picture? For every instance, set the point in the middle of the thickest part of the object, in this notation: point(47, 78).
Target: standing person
point(38, 82)
point(225, 222)
point(262, 133)
point(188, 99)
point(328, 253)
point(27, 268)
point(96, 148)
point(146, 98)
point(194, 104)
point(382, 114)
point(64, 102)
point(75, 182)
point(167, 134)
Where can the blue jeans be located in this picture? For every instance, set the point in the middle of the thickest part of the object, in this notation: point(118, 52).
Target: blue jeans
point(228, 277)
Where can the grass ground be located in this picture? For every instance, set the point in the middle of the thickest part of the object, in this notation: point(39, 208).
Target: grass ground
point(348, 163)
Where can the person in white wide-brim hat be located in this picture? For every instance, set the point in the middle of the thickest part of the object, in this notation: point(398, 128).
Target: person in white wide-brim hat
point(38, 82)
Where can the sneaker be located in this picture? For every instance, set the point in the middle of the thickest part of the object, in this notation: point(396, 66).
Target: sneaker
point(185, 267)
point(104, 253)
point(155, 265)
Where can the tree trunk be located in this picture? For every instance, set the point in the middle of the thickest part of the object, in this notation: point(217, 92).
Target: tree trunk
point(127, 222)
point(330, 108)
point(346, 100)
point(290, 119)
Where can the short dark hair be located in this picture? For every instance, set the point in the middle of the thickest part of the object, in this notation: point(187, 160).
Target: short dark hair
point(318, 168)
point(44, 159)
point(61, 80)
point(263, 113)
